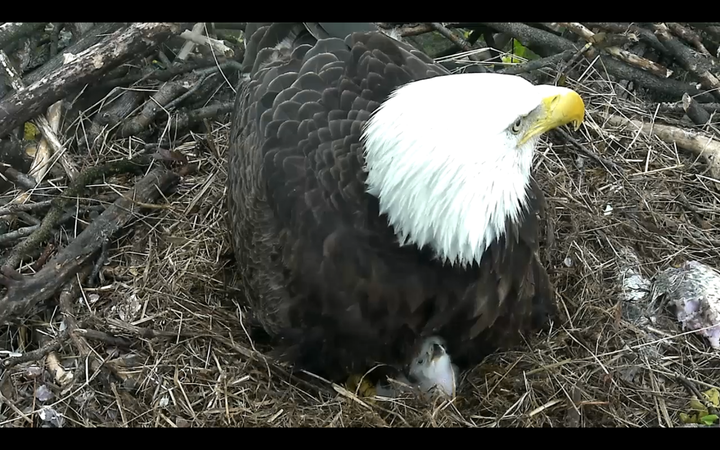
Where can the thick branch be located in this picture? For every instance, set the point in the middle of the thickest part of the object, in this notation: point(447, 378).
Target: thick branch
point(92, 37)
point(80, 69)
point(694, 111)
point(545, 44)
point(24, 293)
point(643, 34)
point(623, 55)
point(55, 214)
point(12, 30)
point(688, 61)
point(690, 36)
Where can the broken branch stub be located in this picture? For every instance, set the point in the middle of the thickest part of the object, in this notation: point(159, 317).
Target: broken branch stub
point(118, 48)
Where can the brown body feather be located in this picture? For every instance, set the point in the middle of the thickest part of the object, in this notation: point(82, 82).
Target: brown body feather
point(321, 269)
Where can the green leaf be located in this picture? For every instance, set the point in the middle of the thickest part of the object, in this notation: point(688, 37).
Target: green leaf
point(518, 48)
point(30, 132)
point(684, 418)
point(713, 396)
point(709, 419)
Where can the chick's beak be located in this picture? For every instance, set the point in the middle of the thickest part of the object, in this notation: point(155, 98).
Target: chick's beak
point(437, 352)
point(560, 108)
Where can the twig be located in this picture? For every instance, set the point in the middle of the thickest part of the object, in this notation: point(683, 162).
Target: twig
point(561, 72)
point(680, 108)
point(79, 70)
point(52, 345)
point(116, 341)
point(15, 409)
point(92, 37)
point(68, 294)
point(623, 55)
point(643, 34)
point(700, 144)
point(189, 45)
point(690, 36)
point(26, 292)
point(688, 61)
point(412, 30)
point(183, 120)
point(75, 189)
point(17, 234)
point(14, 208)
point(20, 179)
point(41, 163)
point(581, 148)
point(545, 43)
point(187, 94)
point(454, 38)
point(165, 74)
point(166, 94)
point(217, 45)
point(147, 333)
point(536, 64)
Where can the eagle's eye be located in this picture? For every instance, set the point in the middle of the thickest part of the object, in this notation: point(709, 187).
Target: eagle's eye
point(516, 125)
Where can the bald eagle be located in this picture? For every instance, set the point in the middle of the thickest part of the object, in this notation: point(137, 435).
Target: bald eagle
point(373, 223)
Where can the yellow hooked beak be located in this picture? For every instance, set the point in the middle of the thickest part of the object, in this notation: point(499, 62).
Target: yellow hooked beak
point(557, 110)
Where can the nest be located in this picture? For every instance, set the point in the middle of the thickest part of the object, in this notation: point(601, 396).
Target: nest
point(161, 339)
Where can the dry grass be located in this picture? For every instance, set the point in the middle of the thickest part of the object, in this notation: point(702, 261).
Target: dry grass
point(597, 367)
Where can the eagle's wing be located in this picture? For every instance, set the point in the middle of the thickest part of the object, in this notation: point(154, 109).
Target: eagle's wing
point(326, 269)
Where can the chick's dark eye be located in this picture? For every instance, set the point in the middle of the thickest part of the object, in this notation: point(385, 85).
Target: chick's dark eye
point(420, 361)
point(516, 125)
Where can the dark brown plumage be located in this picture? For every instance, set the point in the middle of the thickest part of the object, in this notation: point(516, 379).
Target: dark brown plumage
point(321, 269)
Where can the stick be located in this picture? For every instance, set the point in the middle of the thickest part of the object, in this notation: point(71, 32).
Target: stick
point(24, 293)
point(10, 31)
point(55, 215)
point(690, 36)
point(14, 208)
point(688, 61)
point(547, 44)
point(185, 119)
point(189, 45)
point(217, 45)
point(34, 355)
point(79, 70)
point(92, 37)
point(623, 55)
point(699, 143)
point(643, 34)
point(42, 162)
point(694, 111)
point(166, 94)
point(536, 64)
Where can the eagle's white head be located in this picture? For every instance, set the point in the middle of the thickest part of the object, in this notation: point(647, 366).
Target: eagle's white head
point(449, 157)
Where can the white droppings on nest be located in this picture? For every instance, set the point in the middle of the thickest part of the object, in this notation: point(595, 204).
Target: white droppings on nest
point(128, 310)
point(634, 286)
point(694, 289)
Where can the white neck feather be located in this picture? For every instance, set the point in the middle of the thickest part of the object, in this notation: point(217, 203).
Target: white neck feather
point(450, 179)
